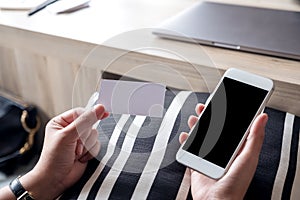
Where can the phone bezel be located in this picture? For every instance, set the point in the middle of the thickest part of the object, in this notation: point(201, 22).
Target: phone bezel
point(208, 168)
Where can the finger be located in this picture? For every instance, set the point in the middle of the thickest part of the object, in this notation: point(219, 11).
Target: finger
point(90, 142)
point(85, 134)
point(79, 148)
point(199, 108)
point(244, 166)
point(183, 136)
point(256, 136)
point(89, 117)
point(192, 121)
point(252, 146)
point(66, 118)
point(95, 149)
point(91, 139)
point(254, 141)
point(93, 152)
point(105, 115)
point(86, 158)
point(85, 121)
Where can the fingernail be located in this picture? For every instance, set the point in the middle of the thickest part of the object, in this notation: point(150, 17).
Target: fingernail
point(100, 110)
point(79, 148)
point(266, 119)
point(106, 114)
point(85, 158)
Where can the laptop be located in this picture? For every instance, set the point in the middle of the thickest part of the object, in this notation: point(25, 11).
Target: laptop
point(252, 29)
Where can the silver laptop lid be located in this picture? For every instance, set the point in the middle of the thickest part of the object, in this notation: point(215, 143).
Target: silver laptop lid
point(267, 31)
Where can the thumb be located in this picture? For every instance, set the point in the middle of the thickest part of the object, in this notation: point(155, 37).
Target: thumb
point(85, 121)
point(256, 136)
point(245, 164)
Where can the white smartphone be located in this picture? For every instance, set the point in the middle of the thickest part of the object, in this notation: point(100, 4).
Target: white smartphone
point(224, 124)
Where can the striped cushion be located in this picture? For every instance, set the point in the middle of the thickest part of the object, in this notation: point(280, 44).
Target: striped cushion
point(137, 158)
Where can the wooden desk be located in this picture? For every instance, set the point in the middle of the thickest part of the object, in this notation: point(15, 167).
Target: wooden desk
point(40, 56)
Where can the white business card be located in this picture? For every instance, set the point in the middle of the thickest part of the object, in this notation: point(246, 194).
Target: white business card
point(134, 98)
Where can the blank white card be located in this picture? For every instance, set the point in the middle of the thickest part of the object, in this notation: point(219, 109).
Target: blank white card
point(134, 98)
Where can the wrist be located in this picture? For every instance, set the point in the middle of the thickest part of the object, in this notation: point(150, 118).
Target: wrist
point(37, 183)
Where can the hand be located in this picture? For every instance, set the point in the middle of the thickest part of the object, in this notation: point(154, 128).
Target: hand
point(69, 143)
point(234, 184)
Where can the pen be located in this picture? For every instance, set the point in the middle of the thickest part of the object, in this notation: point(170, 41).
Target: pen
point(41, 6)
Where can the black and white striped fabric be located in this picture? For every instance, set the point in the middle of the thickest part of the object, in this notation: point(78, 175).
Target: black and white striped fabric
point(137, 157)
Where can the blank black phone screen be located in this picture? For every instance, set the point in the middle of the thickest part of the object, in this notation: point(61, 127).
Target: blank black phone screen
point(224, 121)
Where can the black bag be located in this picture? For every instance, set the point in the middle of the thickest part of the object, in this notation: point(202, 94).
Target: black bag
point(19, 124)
